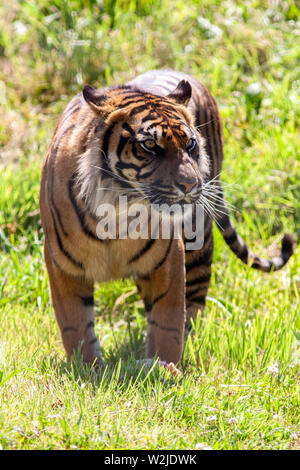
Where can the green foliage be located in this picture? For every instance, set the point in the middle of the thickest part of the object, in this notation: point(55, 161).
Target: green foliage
point(240, 382)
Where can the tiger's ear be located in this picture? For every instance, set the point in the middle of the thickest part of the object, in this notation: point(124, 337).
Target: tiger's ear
point(182, 93)
point(94, 98)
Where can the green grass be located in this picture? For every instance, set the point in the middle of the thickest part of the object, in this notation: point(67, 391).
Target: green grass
point(240, 383)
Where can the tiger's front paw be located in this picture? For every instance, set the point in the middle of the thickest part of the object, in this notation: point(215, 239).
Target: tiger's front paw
point(149, 363)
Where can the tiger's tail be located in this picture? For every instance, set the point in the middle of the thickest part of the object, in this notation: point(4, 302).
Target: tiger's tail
point(240, 248)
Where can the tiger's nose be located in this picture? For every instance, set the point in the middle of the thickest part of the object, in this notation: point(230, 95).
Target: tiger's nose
point(186, 186)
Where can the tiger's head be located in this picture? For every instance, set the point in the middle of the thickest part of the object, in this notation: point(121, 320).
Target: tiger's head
point(148, 143)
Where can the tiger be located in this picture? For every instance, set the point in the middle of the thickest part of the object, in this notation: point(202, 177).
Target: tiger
point(157, 137)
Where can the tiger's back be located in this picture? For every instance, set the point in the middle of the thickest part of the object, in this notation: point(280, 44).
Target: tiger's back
point(202, 106)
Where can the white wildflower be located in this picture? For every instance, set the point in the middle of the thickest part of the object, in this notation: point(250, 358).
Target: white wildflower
point(211, 419)
point(233, 421)
point(20, 28)
point(189, 48)
point(273, 369)
point(203, 446)
point(210, 30)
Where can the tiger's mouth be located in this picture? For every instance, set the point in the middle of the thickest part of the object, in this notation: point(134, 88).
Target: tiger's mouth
point(152, 195)
point(171, 198)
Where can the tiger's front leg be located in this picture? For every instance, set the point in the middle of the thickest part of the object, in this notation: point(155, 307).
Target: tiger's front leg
point(74, 310)
point(166, 319)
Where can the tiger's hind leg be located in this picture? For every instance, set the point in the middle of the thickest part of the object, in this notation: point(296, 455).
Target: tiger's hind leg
point(73, 304)
point(198, 274)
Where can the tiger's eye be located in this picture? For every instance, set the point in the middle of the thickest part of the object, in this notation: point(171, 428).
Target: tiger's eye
point(191, 143)
point(149, 144)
